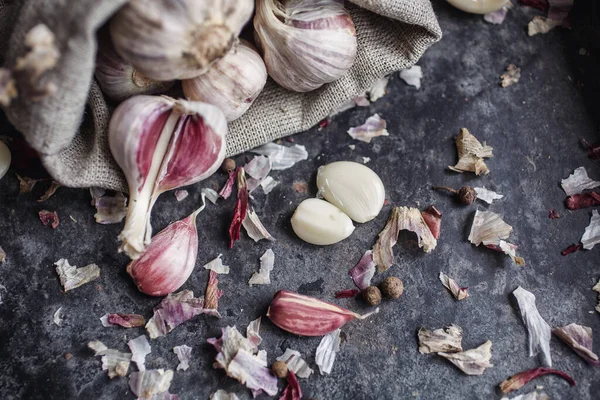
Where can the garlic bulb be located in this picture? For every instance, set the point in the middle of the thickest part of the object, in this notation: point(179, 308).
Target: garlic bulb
point(118, 79)
point(5, 159)
point(478, 6)
point(232, 83)
point(305, 43)
point(162, 144)
point(170, 258)
point(166, 39)
point(318, 222)
point(352, 187)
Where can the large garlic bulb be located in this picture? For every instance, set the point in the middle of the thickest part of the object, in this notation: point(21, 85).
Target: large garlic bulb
point(305, 43)
point(118, 79)
point(177, 39)
point(232, 83)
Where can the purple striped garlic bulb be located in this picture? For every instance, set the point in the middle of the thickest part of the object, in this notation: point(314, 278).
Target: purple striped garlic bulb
point(162, 144)
point(305, 43)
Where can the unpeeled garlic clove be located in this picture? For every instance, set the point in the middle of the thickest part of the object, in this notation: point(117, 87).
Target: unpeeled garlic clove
point(232, 83)
point(118, 79)
point(353, 188)
point(5, 159)
point(162, 144)
point(305, 43)
point(168, 40)
point(318, 222)
point(169, 259)
point(478, 6)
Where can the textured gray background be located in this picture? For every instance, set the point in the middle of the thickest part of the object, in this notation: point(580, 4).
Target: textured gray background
point(534, 127)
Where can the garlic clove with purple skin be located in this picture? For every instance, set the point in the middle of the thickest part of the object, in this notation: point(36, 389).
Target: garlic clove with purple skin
point(166, 39)
point(170, 258)
point(162, 144)
point(232, 83)
point(478, 6)
point(305, 43)
point(118, 79)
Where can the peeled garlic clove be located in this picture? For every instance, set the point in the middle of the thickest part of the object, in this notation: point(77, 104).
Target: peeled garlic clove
point(162, 144)
point(354, 188)
point(5, 159)
point(478, 6)
point(166, 39)
point(169, 259)
point(318, 222)
point(232, 83)
point(305, 43)
point(118, 79)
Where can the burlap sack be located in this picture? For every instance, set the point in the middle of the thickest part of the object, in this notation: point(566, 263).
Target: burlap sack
point(71, 138)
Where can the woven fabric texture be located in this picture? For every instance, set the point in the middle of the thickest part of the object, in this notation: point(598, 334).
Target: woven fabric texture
point(69, 128)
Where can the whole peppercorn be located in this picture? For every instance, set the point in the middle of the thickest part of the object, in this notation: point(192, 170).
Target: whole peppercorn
point(228, 165)
point(392, 287)
point(279, 369)
point(372, 295)
point(466, 194)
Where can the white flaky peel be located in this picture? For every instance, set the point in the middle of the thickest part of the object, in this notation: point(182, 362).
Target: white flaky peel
point(471, 154)
point(328, 348)
point(473, 361)
point(591, 235)
point(577, 182)
point(538, 329)
point(491, 231)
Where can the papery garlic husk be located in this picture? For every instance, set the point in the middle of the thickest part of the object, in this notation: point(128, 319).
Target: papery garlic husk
point(353, 188)
point(167, 39)
point(232, 83)
point(170, 258)
point(162, 144)
point(307, 316)
point(317, 222)
point(478, 6)
point(305, 43)
point(118, 79)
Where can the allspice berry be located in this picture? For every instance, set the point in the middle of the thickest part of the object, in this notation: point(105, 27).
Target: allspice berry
point(372, 295)
point(467, 195)
point(228, 165)
point(392, 287)
point(279, 369)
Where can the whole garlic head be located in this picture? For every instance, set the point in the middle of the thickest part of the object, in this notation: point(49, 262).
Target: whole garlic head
point(232, 83)
point(166, 39)
point(305, 43)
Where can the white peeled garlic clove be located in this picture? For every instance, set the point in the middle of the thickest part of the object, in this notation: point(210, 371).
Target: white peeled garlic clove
point(162, 144)
point(118, 79)
point(232, 83)
point(352, 187)
point(305, 43)
point(318, 222)
point(166, 39)
point(5, 159)
point(478, 6)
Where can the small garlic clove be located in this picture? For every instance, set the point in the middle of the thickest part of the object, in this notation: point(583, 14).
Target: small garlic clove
point(318, 222)
point(352, 187)
point(168, 40)
point(5, 159)
point(232, 83)
point(478, 6)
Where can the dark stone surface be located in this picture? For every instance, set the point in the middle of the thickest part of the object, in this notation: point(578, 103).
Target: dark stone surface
point(534, 127)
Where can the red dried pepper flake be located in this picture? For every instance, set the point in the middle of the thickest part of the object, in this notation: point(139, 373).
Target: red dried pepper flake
point(522, 378)
point(433, 219)
point(241, 207)
point(592, 149)
point(292, 391)
point(346, 294)
point(539, 4)
point(48, 217)
point(228, 187)
point(582, 200)
point(553, 214)
point(324, 123)
point(571, 249)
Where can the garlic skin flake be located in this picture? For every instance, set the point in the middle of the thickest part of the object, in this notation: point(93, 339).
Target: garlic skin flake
point(478, 6)
point(577, 182)
point(352, 187)
point(487, 195)
point(374, 126)
point(473, 361)
point(305, 43)
point(232, 83)
point(162, 144)
point(168, 40)
point(591, 235)
point(412, 76)
point(325, 354)
point(318, 222)
point(471, 154)
point(538, 329)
